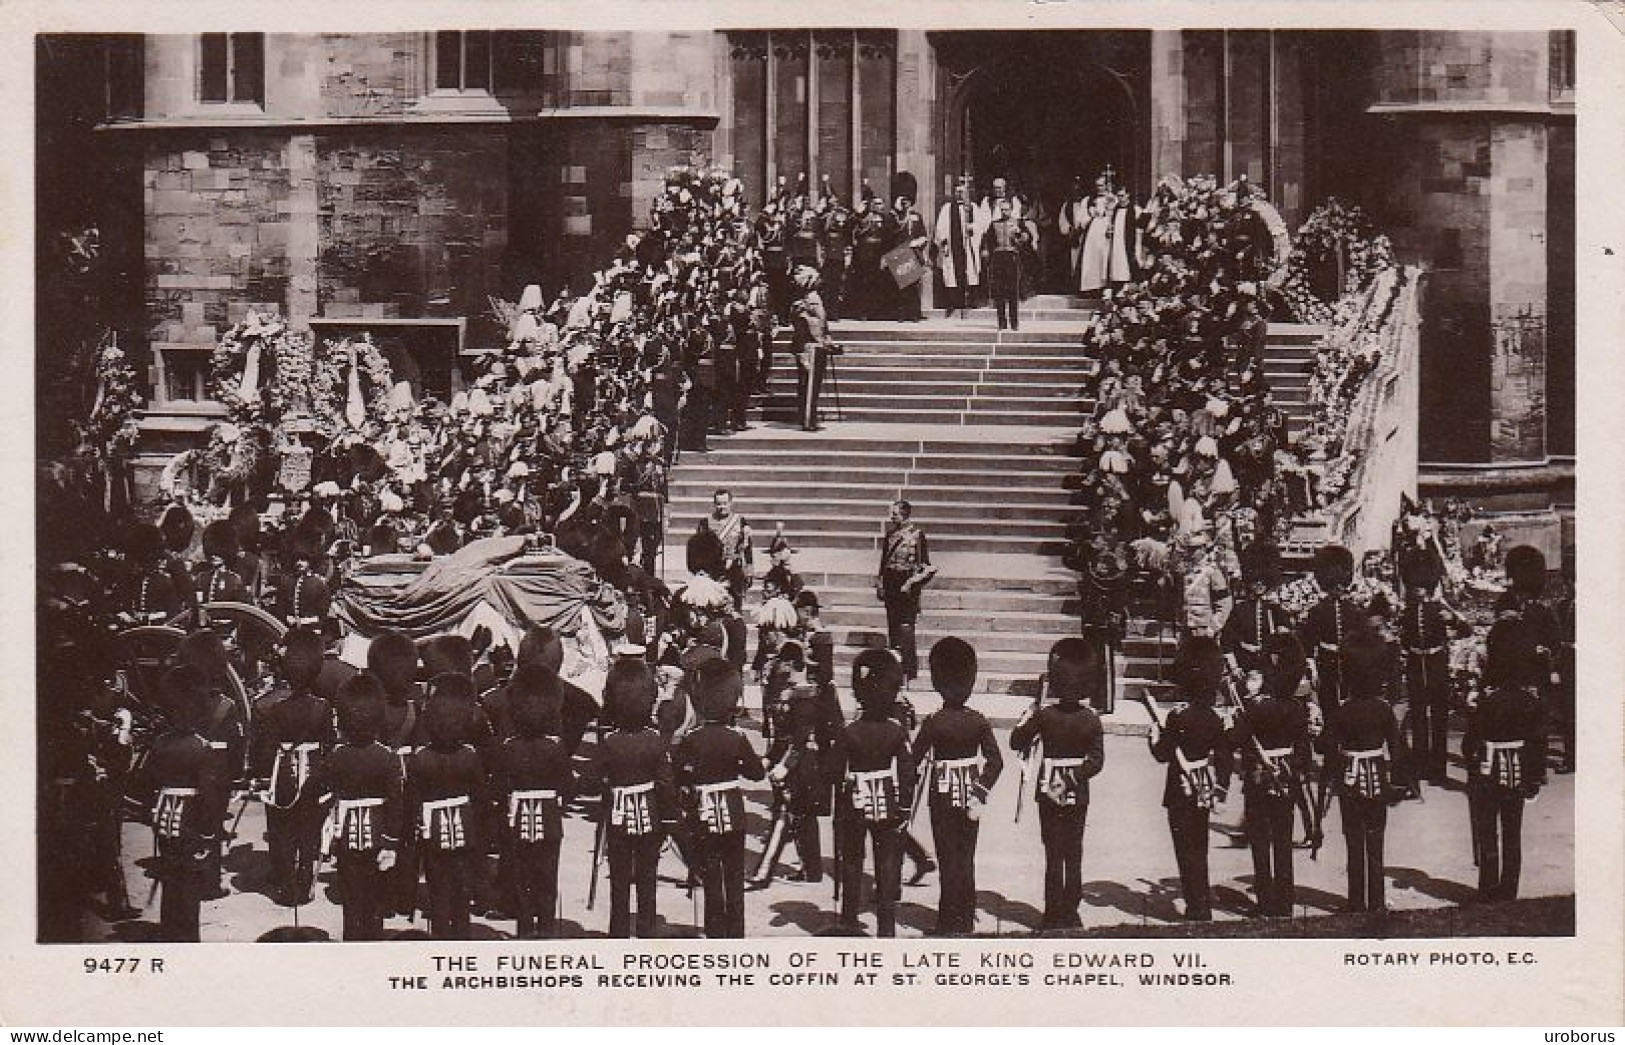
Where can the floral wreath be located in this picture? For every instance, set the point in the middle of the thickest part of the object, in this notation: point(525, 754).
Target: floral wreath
point(338, 363)
point(1341, 232)
point(267, 343)
point(109, 431)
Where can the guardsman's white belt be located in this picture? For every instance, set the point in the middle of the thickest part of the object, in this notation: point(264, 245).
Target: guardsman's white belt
point(352, 824)
point(631, 809)
point(527, 813)
point(300, 622)
point(299, 755)
point(874, 792)
point(1428, 651)
point(1059, 780)
point(956, 778)
point(1196, 779)
point(714, 814)
point(442, 822)
point(1364, 773)
point(169, 812)
point(1503, 763)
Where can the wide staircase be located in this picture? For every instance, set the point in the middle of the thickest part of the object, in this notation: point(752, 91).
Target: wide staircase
point(976, 428)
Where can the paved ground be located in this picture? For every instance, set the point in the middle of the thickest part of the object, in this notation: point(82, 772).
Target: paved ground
point(1128, 867)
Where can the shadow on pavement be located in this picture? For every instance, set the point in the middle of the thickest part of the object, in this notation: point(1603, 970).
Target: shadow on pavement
point(1427, 885)
point(136, 932)
point(1009, 916)
point(295, 934)
point(1155, 904)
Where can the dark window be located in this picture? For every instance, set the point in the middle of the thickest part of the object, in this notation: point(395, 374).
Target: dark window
point(517, 61)
point(231, 67)
point(1562, 75)
point(125, 77)
point(462, 61)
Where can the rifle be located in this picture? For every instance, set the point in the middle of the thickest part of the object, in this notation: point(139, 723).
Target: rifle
point(921, 782)
point(600, 836)
point(1323, 800)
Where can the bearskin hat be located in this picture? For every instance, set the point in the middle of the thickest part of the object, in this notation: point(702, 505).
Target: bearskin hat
point(220, 541)
point(877, 677)
point(1075, 669)
point(538, 700)
point(184, 691)
point(629, 694)
point(716, 688)
point(303, 652)
point(448, 718)
point(144, 543)
point(953, 669)
point(392, 658)
point(1368, 664)
point(361, 709)
point(1510, 659)
point(1261, 563)
point(704, 553)
point(205, 650)
point(1333, 567)
point(1198, 669)
point(1526, 570)
point(1420, 569)
point(177, 526)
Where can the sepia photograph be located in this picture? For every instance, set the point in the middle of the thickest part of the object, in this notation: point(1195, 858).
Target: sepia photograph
point(792, 482)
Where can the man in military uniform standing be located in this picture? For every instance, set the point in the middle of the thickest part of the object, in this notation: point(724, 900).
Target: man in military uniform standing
point(1272, 735)
point(184, 774)
point(1002, 246)
point(1505, 752)
point(1329, 622)
point(905, 568)
point(1072, 742)
point(871, 285)
point(1425, 630)
point(810, 345)
point(836, 239)
point(1254, 619)
point(738, 557)
point(957, 780)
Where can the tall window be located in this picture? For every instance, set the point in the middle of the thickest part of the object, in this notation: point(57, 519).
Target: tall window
point(462, 61)
point(232, 68)
point(1562, 60)
point(123, 75)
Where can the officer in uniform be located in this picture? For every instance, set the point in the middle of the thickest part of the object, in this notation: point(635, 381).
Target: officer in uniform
point(960, 760)
point(1425, 630)
point(1254, 619)
point(1072, 742)
point(876, 771)
point(905, 568)
point(803, 740)
point(151, 594)
point(871, 285)
point(184, 775)
point(531, 778)
point(1272, 736)
point(1505, 752)
point(1191, 742)
point(708, 766)
point(1002, 246)
point(215, 580)
point(810, 345)
point(836, 238)
point(223, 728)
point(365, 826)
point(1329, 622)
point(1365, 754)
point(295, 735)
point(738, 557)
point(638, 799)
point(445, 787)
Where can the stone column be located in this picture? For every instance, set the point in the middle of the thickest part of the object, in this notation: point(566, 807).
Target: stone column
point(1167, 103)
point(916, 125)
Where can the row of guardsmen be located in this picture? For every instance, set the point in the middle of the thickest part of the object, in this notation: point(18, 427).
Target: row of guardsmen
point(395, 802)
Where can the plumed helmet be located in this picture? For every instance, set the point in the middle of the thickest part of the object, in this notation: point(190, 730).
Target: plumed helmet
point(361, 708)
point(716, 690)
point(953, 668)
point(877, 676)
point(629, 694)
point(303, 652)
point(1333, 567)
point(392, 658)
point(705, 593)
point(1526, 570)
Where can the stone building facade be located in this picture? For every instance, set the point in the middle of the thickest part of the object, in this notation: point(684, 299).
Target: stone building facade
point(396, 181)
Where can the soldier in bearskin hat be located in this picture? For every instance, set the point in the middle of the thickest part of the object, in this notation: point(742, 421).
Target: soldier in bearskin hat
point(185, 776)
point(1191, 741)
point(803, 739)
point(1330, 621)
point(294, 736)
point(1505, 752)
point(366, 824)
point(1365, 764)
point(876, 771)
point(531, 779)
point(303, 599)
point(638, 803)
point(214, 579)
point(1255, 618)
point(445, 786)
point(961, 762)
point(1425, 630)
point(1272, 736)
point(150, 594)
point(224, 727)
point(709, 765)
point(1525, 601)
